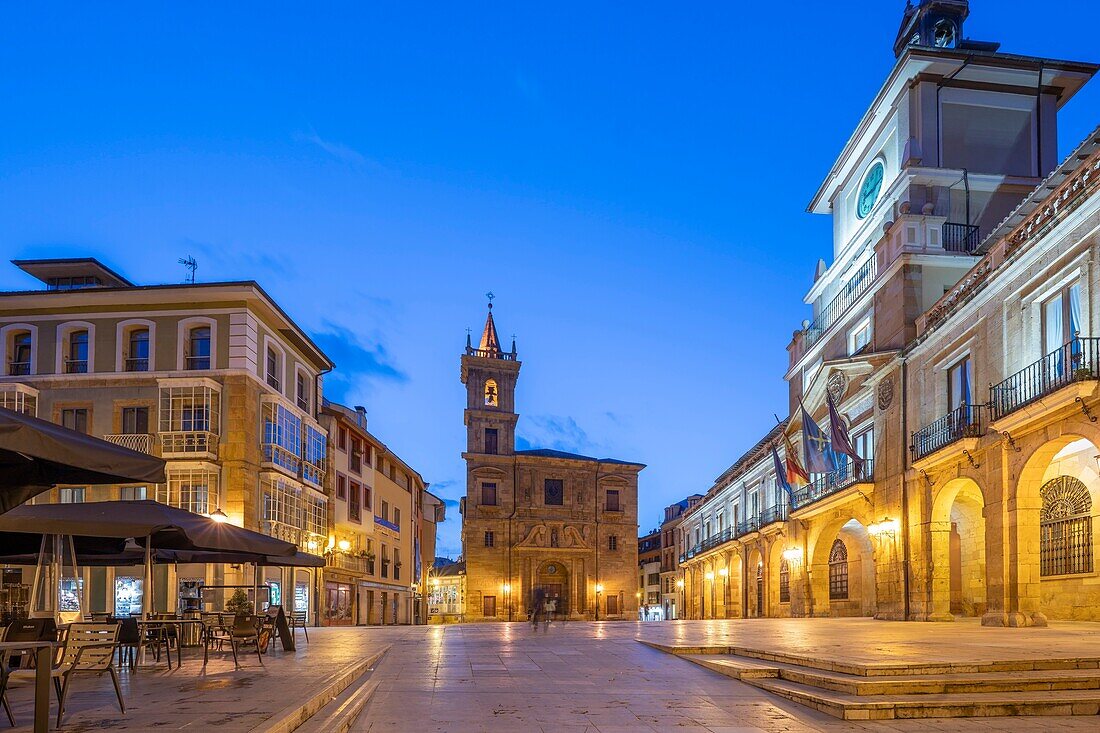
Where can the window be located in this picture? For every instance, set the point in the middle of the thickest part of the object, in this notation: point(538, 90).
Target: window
point(553, 492)
point(613, 500)
point(754, 503)
point(396, 564)
point(77, 361)
point(20, 364)
point(1065, 528)
point(137, 353)
point(838, 572)
point(190, 489)
point(784, 581)
point(341, 486)
point(273, 370)
point(488, 494)
point(355, 460)
point(367, 498)
point(385, 510)
point(385, 561)
point(488, 605)
point(71, 495)
point(134, 493)
point(282, 436)
point(612, 542)
point(959, 384)
point(354, 506)
point(612, 605)
point(75, 419)
point(342, 438)
point(491, 441)
point(397, 516)
point(489, 539)
point(859, 338)
point(135, 420)
point(198, 348)
point(302, 392)
point(1062, 318)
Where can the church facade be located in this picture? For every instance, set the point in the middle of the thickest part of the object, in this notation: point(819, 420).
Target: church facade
point(539, 522)
point(953, 332)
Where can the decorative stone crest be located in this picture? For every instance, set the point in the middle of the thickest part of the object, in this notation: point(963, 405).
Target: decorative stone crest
point(886, 393)
point(837, 385)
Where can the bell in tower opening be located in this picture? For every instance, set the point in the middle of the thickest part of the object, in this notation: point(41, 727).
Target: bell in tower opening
point(932, 23)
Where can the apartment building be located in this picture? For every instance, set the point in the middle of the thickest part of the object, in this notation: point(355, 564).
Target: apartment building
point(214, 377)
point(383, 528)
point(649, 577)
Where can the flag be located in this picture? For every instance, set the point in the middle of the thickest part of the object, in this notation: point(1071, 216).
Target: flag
point(781, 475)
point(795, 474)
point(815, 443)
point(842, 442)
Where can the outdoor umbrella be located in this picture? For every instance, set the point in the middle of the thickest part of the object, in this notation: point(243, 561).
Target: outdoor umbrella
point(36, 455)
point(160, 526)
point(121, 558)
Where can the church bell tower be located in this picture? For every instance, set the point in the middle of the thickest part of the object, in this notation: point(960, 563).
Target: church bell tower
point(932, 23)
point(490, 376)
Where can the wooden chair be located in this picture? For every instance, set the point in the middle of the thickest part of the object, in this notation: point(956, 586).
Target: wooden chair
point(89, 649)
point(243, 631)
point(298, 621)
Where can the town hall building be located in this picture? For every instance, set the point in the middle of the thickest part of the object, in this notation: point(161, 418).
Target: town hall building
point(539, 520)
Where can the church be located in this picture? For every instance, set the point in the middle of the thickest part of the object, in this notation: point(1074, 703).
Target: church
point(542, 519)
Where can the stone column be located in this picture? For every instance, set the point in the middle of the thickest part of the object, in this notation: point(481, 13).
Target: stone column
point(941, 571)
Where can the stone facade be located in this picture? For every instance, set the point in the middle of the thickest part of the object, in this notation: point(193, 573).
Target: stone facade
point(969, 502)
point(539, 519)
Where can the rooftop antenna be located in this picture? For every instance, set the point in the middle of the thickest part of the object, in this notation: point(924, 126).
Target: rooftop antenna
point(191, 266)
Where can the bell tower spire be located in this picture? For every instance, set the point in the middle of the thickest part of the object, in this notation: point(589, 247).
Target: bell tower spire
point(490, 376)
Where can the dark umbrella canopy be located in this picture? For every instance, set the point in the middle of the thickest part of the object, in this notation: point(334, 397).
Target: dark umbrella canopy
point(36, 455)
point(89, 555)
point(167, 527)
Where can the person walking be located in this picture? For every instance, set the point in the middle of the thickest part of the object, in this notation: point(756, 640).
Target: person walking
point(538, 601)
point(548, 610)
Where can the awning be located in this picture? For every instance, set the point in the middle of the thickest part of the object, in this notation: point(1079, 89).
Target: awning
point(91, 558)
point(167, 528)
point(36, 455)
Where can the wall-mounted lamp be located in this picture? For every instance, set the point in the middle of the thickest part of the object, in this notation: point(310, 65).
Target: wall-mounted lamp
point(680, 583)
point(793, 555)
point(723, 572)
point(709, 575)
point(344, 545)
point(219, 516)
point(885, 527)
point(506, 587)
point(599, 587)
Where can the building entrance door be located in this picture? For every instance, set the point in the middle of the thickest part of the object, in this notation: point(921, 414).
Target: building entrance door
point(553, 583)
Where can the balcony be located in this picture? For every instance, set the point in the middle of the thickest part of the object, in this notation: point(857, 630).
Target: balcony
point(182, 444)
point(856, 286)
point(833, 483)
point(76, 366)
point(19, 369)
point(967, 421)
point(1076, 361)
point(773, 514)
point(962, 238)
point(194, 363)
point(350, 563)
point(140, 442)
point(277, 455)
point(136, 365)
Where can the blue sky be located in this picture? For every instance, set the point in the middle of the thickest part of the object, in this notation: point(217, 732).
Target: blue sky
point(630, 180)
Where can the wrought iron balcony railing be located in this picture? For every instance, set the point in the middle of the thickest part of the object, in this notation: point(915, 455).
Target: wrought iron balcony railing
point(961, 237)
point(834, 482)
point(197, 362)
point(856, 286)
point(1076, 361)
point(76, 366)
point(966, 421)
point(137, 364)
point(140, 442)
point(773, 515)
point(19, 368)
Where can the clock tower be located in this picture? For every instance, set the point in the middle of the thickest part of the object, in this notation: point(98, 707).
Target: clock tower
point(932, 23)
point(490, 376)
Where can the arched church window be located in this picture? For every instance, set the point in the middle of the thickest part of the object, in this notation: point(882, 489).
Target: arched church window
point(1065, 527)
point(784, 581)
point(838, 572)
point(492, 397)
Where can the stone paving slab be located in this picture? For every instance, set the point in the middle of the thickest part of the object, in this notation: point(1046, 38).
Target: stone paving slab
point(595, 678)
point(217, 697)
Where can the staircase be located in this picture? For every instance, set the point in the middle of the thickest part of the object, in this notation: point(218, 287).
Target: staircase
point(911, 690)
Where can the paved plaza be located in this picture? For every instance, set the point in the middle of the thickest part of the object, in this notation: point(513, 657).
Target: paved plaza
point(596, 678)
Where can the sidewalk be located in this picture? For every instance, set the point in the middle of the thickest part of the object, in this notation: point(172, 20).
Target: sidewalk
point(216, 697)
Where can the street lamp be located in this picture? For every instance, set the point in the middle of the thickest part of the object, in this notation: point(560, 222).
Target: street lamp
point(507, 588)
point(599, 590)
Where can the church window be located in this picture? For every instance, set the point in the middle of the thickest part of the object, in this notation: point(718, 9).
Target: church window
point(492, 396)
point(491, 441)
point(838, 572)
point(1065, 528)
point(553, 492)
point(489, 539)
point(489, 494)
point(784, 581)
point(612, 542)
point(612, 500)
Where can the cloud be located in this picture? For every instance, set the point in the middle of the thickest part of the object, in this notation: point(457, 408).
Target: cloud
point(339, 151)
point(357, 361)
point(556, 433)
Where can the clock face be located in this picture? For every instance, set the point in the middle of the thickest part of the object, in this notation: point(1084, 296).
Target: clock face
point(870, 189)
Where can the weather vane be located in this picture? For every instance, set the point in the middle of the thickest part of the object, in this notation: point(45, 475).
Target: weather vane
point(491, 298)
point(191, 266)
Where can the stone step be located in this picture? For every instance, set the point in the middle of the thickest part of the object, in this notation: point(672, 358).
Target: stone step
point(340, 714)
point(889, 707)
point(736, 667)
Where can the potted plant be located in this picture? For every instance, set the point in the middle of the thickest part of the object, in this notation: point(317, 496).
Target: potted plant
point(238, 604)
point(1080, 374)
